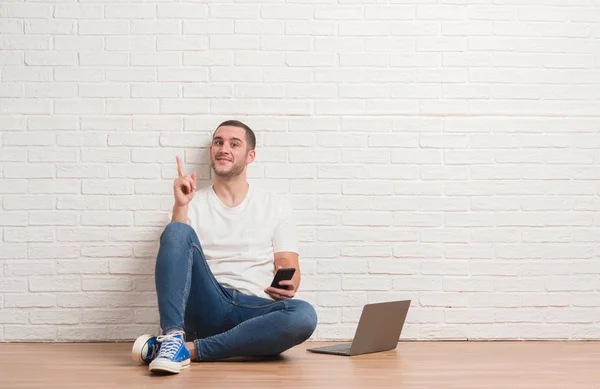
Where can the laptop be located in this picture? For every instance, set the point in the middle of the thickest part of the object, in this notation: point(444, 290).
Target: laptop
point(378, 330)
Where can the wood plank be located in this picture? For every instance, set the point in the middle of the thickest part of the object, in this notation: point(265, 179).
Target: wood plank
point(564, 365)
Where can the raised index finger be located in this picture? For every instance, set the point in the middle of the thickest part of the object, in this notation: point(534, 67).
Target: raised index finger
point(179, 167)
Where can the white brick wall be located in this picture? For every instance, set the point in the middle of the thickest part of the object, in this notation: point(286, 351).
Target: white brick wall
point(442, 151)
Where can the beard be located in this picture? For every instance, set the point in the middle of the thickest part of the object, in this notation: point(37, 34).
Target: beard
point(235, 170)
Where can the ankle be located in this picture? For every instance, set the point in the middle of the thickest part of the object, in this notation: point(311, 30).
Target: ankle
point(191, 349)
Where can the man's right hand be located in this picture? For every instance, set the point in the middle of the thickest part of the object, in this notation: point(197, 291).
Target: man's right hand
point(184, 187)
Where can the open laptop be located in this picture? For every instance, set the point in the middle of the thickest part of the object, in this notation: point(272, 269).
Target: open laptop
point(378, 330)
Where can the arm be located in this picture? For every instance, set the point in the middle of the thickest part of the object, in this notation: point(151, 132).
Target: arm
point(286, 259)
point(285, 247)
point(289, 259)
point(180, 213)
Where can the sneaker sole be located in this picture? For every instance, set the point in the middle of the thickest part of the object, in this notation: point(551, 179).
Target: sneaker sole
point(166, 366)
point(136, 351)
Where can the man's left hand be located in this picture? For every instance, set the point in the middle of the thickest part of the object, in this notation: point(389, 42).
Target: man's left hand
point(282, 294)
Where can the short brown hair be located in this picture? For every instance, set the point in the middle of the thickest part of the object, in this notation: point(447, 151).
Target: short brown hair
point(250, 137)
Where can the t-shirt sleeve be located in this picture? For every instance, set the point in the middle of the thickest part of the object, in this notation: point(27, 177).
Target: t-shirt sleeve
point(284, 237)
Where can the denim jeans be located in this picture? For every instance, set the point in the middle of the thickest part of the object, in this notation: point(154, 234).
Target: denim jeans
point(222, 322)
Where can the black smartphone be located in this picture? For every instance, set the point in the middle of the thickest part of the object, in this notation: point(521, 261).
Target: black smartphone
point(283, 274)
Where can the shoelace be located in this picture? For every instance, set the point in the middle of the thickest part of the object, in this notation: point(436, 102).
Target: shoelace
point(170, 345)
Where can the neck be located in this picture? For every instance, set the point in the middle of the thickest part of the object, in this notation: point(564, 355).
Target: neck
point(231, 191)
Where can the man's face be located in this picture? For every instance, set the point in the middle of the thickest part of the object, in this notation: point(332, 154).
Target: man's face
point(228, 152)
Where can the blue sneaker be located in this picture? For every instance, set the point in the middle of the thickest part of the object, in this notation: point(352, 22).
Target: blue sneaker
point(172, 356)
point(145, 349)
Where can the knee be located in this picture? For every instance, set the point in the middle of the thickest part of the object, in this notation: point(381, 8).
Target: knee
point(177, 233)
point(305, 320)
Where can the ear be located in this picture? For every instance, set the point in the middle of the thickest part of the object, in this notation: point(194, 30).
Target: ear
point(250, 157)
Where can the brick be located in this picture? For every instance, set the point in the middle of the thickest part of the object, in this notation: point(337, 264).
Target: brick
point(11, 26)
point(87, 266)
point(31, 333)
point(79, 11)
point(30, 300)
point(12, 285)
point(82, 234)
point(53, 219)
point(177, 43)
point(112, 218)
point(54, 316)
point(105, 316)
point(104, 27)
point(106, 283)
point(190, 27)
point(55, 284)
point(13, 317)
point(31, 234)
point(82, 203)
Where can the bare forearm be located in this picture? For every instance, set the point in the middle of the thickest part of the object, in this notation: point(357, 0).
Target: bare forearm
point(180, 214)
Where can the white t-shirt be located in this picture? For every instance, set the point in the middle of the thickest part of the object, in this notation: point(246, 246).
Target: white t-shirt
point(239, 242)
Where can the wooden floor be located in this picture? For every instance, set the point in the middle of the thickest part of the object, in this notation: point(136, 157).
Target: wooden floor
point(564, 365)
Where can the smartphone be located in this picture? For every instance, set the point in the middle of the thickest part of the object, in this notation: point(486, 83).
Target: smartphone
point(283, 274)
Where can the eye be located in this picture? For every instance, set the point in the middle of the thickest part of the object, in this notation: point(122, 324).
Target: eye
point(234, 145)
point(217, 142)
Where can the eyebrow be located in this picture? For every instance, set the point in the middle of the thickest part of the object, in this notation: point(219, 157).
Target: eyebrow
point(221, 138)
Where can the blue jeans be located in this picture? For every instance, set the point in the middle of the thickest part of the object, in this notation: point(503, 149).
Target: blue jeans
point(222, 322)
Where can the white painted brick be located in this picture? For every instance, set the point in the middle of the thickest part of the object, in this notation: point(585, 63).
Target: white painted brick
point(127, 171)
point(10, 186)
point(178, 43)
point(25, 106)
point(55, 27)
point(155, 59)
point(12, 285)
point(125, 74)
point(190, 27)
point(111, 283)
point(54, 316)
point(32, 73)
point(11, 26)
point(441, 12)
point(30, 300)
point(25, 10)
point(79, 11)
point(149, 316)
point(105, 316)
point(106, 187)
point(30, 333)
point(182, 11)
point(237, 11)
point(131, 11)
point(104, 27)
point(79, 106)
point(309, 27)
point(81, 203)
point(55, 284)
point(13, 154)
point(107, 90)
point(444, 300)
point(13, 317)
point(466, 29)
point(78, 74)
point(132, 106)
point(87, 266)
point(288, 43)
point(53, 218)
point(81, 171)
point(107, 218)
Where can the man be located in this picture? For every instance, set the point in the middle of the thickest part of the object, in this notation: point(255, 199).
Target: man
point(216, 261)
